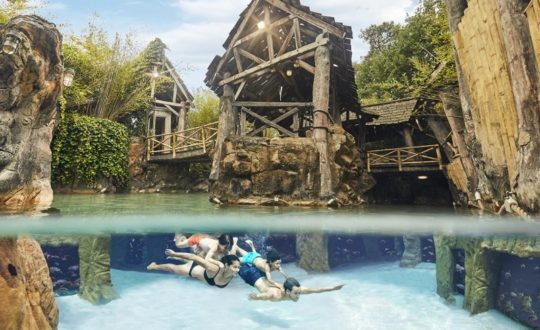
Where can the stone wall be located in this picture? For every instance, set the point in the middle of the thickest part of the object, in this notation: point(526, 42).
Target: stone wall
point(285, 171)
point(163, 177)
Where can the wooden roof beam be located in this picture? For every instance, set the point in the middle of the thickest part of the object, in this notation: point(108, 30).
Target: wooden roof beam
point(176, 78)
point(257, 33)
point(313, 20)
point(276, 60)
point(249, 104)
point(249, 56)
point(239, 31)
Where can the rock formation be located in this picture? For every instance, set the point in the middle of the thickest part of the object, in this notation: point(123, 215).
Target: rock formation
point(30, 84)
point(26, 292)
point(285, 171)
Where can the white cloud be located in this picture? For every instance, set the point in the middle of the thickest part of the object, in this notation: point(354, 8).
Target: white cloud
point(206, 24)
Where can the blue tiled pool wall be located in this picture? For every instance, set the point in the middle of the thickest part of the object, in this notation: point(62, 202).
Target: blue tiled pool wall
point(63, 262)
point(518, 292)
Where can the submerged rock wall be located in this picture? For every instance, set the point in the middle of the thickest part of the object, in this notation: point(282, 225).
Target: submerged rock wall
point(26, 290)
point(484, 262)
point(285, 171)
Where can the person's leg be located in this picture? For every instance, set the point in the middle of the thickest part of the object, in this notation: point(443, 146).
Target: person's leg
point(182, 270)
point(251, 245)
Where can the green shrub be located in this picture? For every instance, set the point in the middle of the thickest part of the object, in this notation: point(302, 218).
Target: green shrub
point(86, 149)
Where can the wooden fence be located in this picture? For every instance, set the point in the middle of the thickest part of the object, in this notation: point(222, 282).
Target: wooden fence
point(405, 159)
point(174, 144)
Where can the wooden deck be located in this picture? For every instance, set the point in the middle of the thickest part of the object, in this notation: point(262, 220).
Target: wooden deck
point(409, 159)
point(189, 146)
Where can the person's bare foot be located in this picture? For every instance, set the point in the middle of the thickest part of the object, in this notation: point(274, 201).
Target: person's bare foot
point(152, 266)
point(250, 243)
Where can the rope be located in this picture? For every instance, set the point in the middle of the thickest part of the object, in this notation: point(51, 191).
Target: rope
point(327, 115)
point(511, 206)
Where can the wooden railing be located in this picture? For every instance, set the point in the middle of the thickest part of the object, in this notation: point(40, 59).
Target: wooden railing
point(173, 144)
point(403, 159)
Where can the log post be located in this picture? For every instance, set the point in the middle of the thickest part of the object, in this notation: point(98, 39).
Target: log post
point(321, 103)
point(226, 127)
point(524, 79)
point(182, 116)
point(441, 132)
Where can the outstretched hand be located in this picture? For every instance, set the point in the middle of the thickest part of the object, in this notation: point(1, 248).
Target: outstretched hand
point(338, 287)
point(169, 252)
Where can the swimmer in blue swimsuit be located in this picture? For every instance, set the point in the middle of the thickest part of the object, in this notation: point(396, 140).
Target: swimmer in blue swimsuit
point(218, 275)
point(255, 267)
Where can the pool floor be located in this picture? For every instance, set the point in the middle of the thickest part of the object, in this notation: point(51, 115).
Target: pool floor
point(375, 296)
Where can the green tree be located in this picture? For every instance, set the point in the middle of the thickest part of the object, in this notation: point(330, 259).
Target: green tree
point(403, 58)
point(206, 108)
point(112, 80)
point(12, 8)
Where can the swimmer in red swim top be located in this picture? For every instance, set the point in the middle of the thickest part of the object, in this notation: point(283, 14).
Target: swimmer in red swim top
point(218, 274)
point(212, 248)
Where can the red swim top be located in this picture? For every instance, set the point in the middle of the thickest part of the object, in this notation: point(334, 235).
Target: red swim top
point(194, 240)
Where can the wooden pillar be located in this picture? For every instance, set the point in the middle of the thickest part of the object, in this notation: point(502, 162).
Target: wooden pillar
point(243, 123)
point(182, 116)
point(406, 132)
point(296, 123)
point(441, 132)
point(412, 254)
point(524, 79)
point(455, 117)
point(321, 103)
point(226, 127)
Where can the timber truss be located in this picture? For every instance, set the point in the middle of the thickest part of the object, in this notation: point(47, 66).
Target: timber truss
point(269, 67)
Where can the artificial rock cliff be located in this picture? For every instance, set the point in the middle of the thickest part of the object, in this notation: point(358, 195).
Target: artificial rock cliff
point(285, 171)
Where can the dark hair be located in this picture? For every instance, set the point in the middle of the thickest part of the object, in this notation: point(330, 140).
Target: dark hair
point(290, 283)
point(225, 239)
point(229, 259)
point(272, 256)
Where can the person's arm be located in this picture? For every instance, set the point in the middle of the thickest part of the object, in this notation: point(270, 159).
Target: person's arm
point(261, 296)
point(210, 255)
point(268, 273)
point(192, 257)
point(319, 290)
point(283, 273)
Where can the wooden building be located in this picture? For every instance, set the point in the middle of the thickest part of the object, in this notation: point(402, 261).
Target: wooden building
point(172, 101)
point(287, 68)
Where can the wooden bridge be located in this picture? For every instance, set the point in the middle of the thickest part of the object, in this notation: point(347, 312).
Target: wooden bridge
point(191, 145)
point(407, 159)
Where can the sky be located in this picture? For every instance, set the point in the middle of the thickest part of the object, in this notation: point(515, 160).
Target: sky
point(195, 30)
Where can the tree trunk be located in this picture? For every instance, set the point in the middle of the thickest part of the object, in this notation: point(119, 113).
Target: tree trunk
point(321, 103)
point(441, 132)
point(524, 79)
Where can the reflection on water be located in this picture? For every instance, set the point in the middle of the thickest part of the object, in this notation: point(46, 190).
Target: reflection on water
point(99, 246)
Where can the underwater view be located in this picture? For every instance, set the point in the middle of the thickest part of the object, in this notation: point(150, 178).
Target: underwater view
point(117, 265)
